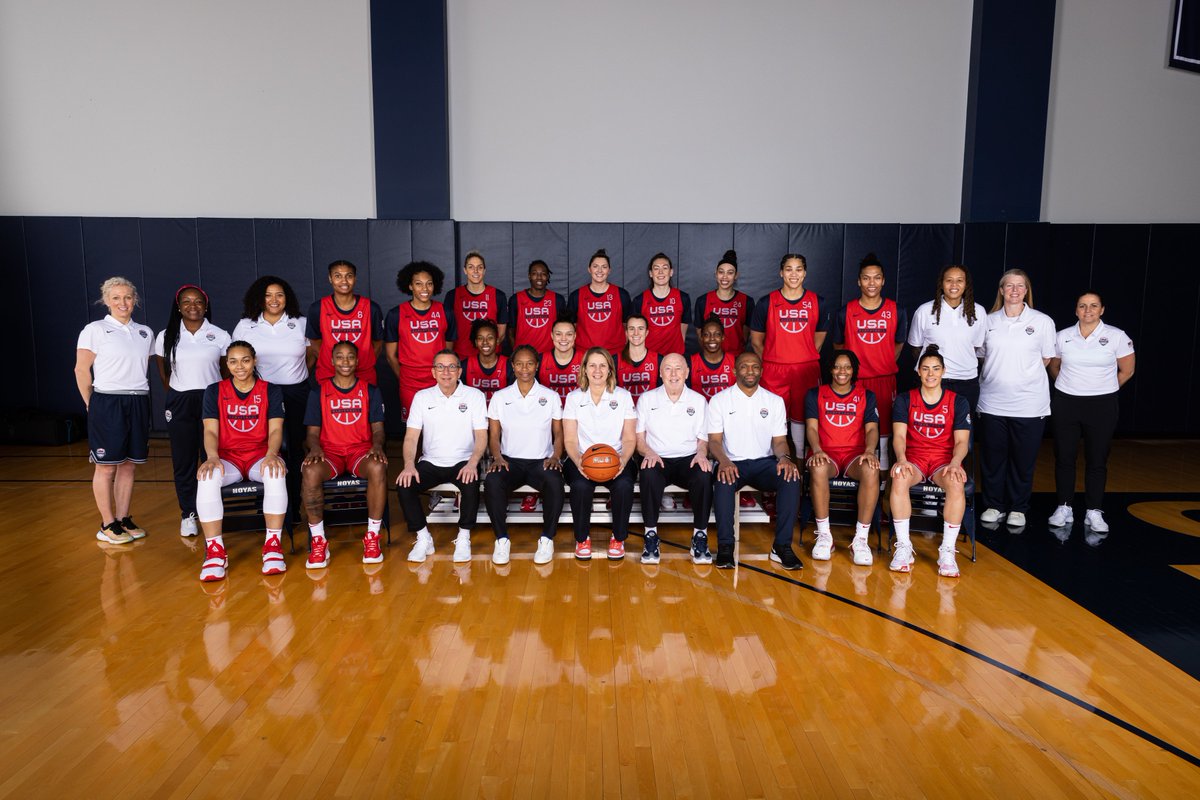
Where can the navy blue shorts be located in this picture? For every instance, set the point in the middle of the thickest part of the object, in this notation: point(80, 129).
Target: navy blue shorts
point(119, 428)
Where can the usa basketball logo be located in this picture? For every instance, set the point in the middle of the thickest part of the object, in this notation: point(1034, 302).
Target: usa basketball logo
point(727, 315)
point(691, 412)
point(871, 331)
point(612, 404)
point(243, 417)
point(793, 320)
point(1103, 341)
point(462, 408)
point(346, 410)
point(144, 334)
point(840, 415)
point(474, 309)
point(929, 424)
point(291, 326)
point(346, 330)
point(537, 316)
point(212, 337)
point(762, 412)
point(425, 331)
point(598, 310)
point(541, 401)
point(662, 315)
point(1029, 330)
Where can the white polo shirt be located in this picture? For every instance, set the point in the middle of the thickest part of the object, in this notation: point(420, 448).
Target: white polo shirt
point(747, 424)
point(956, 340)
point(197, 356)
point(525, 420)
point(672, 427)
point(281, 348)
point(449, 423)
point(1089, 364)
point(122, 354)
point(599, 423)
point(1014, 382)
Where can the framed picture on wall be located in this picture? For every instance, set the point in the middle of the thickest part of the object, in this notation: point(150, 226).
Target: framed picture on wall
point(1185, 36)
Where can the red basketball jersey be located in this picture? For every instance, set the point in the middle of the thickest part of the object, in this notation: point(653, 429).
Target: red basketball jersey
point(467, 308)
point(559, 378)
point(638, 377)
point(663, 320)
point(872, 336)
point(841, 419)
point(242, 424)
point(734, 315)
point(420, 335)
point(534, 321)
point(707, 379)
point(345, 417)
point(488, 381)
point(353, 326)
point(791, 328)
point(598, 319)
point(930, 427)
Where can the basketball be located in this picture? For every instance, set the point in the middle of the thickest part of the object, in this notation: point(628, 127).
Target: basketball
point(600, 463)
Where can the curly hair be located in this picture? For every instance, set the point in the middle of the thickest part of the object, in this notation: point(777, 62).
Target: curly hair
point(252, 302)
point(404, 277)
point(968, 297)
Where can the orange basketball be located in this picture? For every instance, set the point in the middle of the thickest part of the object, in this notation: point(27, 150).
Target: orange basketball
point(601, 463)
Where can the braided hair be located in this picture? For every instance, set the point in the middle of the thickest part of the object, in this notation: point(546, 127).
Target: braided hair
point(175, 322)
point(968, 297)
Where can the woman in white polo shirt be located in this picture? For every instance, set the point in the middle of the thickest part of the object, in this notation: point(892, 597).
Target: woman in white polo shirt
point(272, 323)
point(525, 431)
point(599, 412)
point(1014, 398)
point(188, 352)
point(1092, 362)
point(110, 370)
point(954, 322)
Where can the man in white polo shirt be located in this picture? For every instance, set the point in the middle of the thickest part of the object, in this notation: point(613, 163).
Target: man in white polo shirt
point(748, 437)
point(673, 442)
point(453, 418)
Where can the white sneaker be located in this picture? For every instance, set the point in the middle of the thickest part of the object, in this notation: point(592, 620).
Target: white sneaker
point(823, 549)
point(668, 503)
point(1062, 517)
point(1095, 520)
point(422, 549)
point(903, 558)
point(462, 549)
point(991, 516)
point(947, 565)
point(187, 526)
point(862, 552)
point(545, 551)
point(1016, 519)
point(499, 555)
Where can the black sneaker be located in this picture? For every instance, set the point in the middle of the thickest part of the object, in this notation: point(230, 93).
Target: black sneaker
point(725, 556)
point(786, 558)
point(700, 552)
point(650, 553)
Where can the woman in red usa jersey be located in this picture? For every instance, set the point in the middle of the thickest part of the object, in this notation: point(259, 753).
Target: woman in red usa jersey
point(344, 317)
point(931, 434)
point(533, 312)
point(873, 328)
point(559, 369)
point(599, 308)
point(243, 431)
point(787, 331)
point(668, 311)
point(732, 307)
point(842, 426)
point(637, 366)
point(474, 301)
point(487, 370)
point(712, 369)
point(345, 439)
point(416, 330)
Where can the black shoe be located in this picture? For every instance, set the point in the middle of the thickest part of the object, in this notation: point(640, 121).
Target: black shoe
point(725, 556)
point(700, 551)
point(786, 558)
point(650, 550)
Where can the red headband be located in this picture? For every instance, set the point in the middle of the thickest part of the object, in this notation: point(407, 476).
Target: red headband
point(190, 286)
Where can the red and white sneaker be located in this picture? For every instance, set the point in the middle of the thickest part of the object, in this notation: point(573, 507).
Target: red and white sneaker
point(529, 503)
point(372, 554)
point(583, 550)
point(272, 554)
point(947, 564)
point(215, 562)
point(747, 500)
point(616, 549)
point(318, 553)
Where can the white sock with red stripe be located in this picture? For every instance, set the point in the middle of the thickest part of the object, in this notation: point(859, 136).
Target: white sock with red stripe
point(373, 525)
point(861, 529)
point(823, 525)
point(317, 528)
point(950, 534)
point(901, 527)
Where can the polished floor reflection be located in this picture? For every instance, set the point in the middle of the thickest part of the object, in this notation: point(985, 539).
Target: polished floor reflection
point(124, 676)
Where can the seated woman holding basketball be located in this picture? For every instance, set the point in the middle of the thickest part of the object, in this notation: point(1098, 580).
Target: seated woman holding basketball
point(243, 431)
point(599, 434)
point(931, 429)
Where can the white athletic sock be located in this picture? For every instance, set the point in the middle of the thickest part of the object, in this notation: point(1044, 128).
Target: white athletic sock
point(425, 534)
point(901, 526)
point(317, 529)
point(950, 534)
point(276, 532)
point(373, 525)
point(219, 540)
point(464, 533)
point(861, 529)
point(823, 525)
point(651, 532)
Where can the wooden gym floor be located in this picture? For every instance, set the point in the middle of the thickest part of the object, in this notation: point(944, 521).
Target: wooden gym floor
point(1050, 669)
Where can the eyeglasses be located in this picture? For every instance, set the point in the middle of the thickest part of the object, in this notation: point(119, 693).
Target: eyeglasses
point(447, 367)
